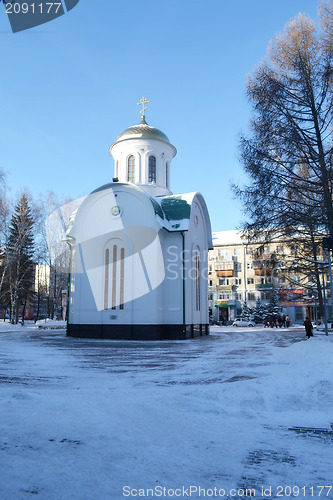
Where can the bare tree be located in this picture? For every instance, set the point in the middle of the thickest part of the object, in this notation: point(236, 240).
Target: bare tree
point(53, 251)
point(5, 210)
point(325, 12)
point(288, 154)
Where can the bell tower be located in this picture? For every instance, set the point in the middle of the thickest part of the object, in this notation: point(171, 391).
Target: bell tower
point(142, 155)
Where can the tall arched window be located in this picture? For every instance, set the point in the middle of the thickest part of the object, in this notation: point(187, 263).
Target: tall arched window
point(131, 169)
point(152, 169)
point(197, 281)
point(167, 175)
point(106, 277)
point(115, 276)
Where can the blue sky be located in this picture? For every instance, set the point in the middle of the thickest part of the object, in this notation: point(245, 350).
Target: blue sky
point(71, 86)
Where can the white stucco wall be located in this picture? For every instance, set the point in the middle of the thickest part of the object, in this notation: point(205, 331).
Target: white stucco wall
point(141, 149)
point(196, 240)
point(148, 296)
point(153, 261)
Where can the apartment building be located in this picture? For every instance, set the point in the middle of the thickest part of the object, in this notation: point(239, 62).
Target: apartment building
point(240, 271)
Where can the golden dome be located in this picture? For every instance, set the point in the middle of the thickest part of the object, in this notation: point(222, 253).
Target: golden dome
point(142, 131)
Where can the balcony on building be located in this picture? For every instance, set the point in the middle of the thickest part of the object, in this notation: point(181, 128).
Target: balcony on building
point(224, 287)
point(225, 268)
point(263, 264)
point(263, 271)
point(264, 286)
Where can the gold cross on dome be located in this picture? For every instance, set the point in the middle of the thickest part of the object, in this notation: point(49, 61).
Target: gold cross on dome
point(142, 103)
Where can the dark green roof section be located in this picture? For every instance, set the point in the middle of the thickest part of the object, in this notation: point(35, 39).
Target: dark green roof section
point(157, 208)
point(175, 208)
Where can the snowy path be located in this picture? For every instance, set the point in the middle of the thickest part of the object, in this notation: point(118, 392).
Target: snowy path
point(240, 409)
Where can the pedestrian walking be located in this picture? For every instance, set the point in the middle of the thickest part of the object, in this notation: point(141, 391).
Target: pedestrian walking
point(308, 327)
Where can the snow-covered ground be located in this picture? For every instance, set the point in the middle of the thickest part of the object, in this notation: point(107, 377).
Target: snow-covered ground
point(242, 409)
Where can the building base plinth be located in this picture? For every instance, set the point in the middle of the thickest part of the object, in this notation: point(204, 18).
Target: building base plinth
point(137, 332)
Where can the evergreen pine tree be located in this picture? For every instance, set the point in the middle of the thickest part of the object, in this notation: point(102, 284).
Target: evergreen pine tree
point(273, 307)
point(259, 312)
point(20, 253)
point(246, 312)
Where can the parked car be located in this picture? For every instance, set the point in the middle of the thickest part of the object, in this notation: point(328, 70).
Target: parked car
point(242, 322)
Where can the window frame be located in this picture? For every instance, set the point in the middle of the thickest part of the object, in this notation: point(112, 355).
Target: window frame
point(131, 168)
point(152, 169)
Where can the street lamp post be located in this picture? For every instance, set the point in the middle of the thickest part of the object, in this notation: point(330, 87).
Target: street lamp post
point(325, 308)
point(244, 241)
point(328, 245)
point(217, 309)
point(331, 283)
point(234, 289)
point(314, 299)
point(323, 264)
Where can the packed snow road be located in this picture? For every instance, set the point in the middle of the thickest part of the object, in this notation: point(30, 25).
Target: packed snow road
point(242, 413)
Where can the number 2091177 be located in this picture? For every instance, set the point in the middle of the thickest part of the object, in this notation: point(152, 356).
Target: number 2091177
point(33, 8)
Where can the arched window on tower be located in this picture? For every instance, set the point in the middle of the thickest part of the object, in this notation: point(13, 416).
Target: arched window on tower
point(152, 169)
point(167, 175)
point(131, 169)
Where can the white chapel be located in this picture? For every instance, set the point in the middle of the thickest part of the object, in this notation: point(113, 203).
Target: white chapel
point(139, 254)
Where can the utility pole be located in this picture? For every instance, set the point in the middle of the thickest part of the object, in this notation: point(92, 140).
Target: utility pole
point(323, 264)
point(325, 308)
point(328, 245)
point(244, 245)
